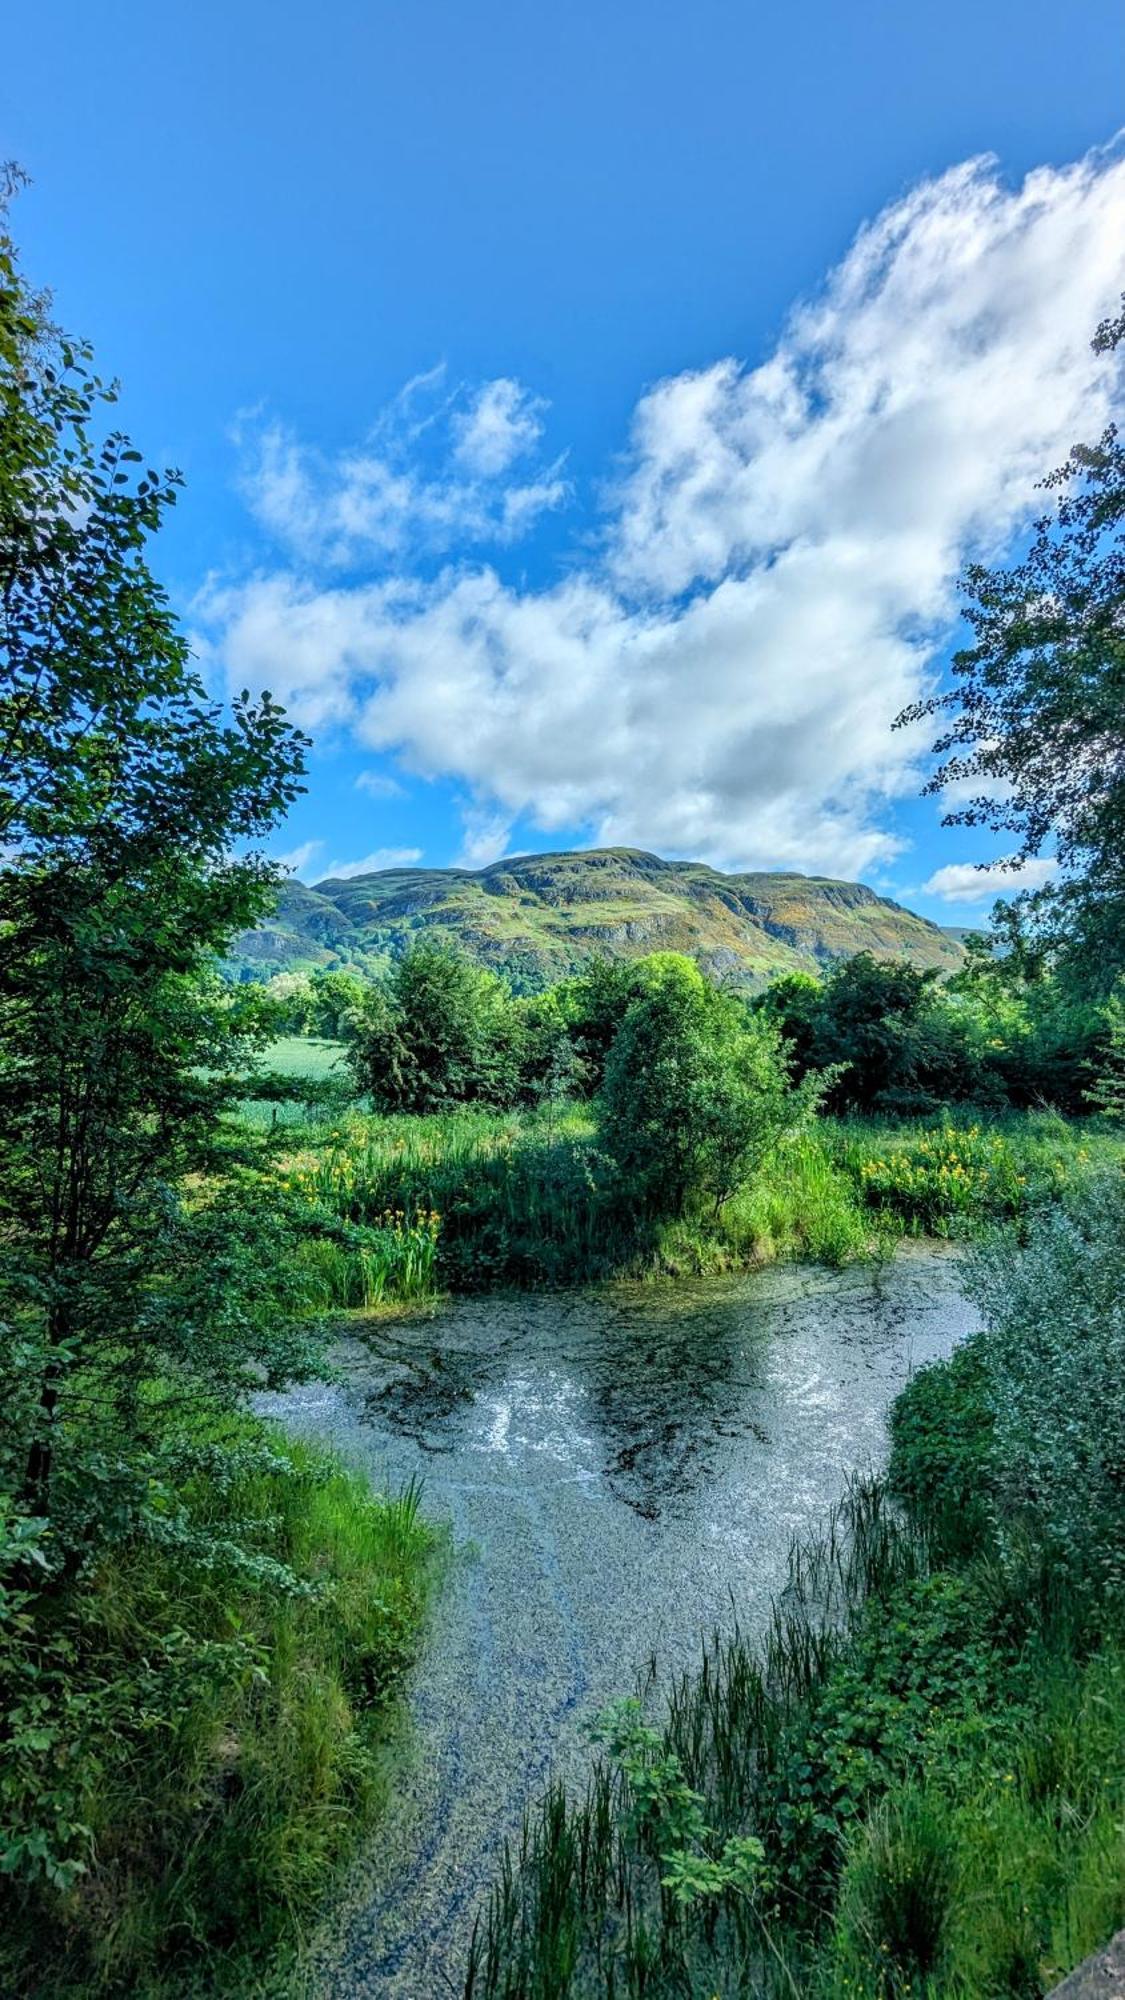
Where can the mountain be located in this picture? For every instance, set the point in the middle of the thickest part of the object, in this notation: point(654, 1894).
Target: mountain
point(540, 916)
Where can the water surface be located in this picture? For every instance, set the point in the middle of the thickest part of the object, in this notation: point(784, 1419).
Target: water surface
point(621, 1468)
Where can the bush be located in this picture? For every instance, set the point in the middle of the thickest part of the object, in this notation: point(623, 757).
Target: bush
point(440, 1032)
point(192, 1745)
point(696, 1094)
point(941, 1449)
point(1055, 1359)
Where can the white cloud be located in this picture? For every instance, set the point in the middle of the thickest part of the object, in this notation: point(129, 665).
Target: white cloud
point(299, 858)
point(485, 837)
point(778, 557)
point(961, 882)
point(379, 785)
point(502, 423)
point(372, 864)
point(377, 502)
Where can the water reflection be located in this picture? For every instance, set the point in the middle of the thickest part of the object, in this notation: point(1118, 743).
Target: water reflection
point(619, 1464)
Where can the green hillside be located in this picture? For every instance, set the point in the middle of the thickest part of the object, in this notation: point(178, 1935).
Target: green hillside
point(541, 916)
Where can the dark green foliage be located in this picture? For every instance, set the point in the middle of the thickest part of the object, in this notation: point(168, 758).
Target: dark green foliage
point(440, 1032)
point(1038, 1039)
point(552, 1066)
point(123, 791)
point(695, 1092)
point(874, 1018)
point(197, 1736)
point(1055, 1356)
point(1107, 1091)
point(335, 999)
point(179, 1640)
point(1000, 1032)
point(941, 1439)
point(594, 1007)
point(898, 1891)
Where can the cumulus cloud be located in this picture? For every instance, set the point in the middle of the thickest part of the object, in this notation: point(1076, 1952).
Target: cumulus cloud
point(379, 501)
point(299, 859)
point(372, 864)
point(485, 836)
point(379, 785)
point(776, 566)
point(503, 421)
point(961, 882)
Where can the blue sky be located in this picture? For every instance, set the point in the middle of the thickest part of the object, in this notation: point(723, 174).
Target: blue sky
point(585, 411)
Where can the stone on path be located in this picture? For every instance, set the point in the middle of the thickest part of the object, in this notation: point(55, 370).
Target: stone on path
point(1101, 1977)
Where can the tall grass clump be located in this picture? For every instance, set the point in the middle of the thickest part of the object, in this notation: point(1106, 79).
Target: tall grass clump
point(393, 1259)
point(935, 1178)
point(801, 1207)
point(404, 1206)
point(250, 1699)
point(896, 1895)
point(508, 1199)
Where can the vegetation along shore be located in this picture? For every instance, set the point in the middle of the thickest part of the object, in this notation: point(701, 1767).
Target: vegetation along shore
point(910, 1781)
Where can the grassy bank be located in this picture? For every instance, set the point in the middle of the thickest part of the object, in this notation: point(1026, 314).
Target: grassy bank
point(468, 1200)
point(915, 1785)
point(197, 1743)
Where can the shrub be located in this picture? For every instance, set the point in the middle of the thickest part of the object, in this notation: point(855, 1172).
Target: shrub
point(440, 1032)
point(941, 1449)
point(696, 1094)
point(1055, 1356)
point(196, 1738)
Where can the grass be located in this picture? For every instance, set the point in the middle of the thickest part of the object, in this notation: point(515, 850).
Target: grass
point(250, 1722)
point(508, 1200)
point(470, 1200)
point(297, 1059)
point(940, 1814)
point(303, 1056)
point(396, 1261)
point(997, 1887)
point(936, 1178)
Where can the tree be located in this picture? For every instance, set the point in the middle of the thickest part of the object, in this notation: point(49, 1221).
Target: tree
point(870, 1023)
point(440, 1032)
point(335, 1001)
point(1038, 708)
point(594, 1005)
point(551, 1071)
point(696, 1092)
point(792, 1002)
point(1107, 1092)
point(124, 792)
point(290, 997)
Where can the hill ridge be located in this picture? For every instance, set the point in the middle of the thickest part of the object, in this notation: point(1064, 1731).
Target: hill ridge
point(536, 917)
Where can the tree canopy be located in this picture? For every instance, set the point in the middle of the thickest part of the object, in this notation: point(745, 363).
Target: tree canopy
point(125, 793)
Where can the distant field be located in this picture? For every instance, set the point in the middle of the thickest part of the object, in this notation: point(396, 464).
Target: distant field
point(302, 1055)
point(295, 1056)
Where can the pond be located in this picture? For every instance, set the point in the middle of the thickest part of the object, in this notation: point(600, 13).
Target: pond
point(622, 1469)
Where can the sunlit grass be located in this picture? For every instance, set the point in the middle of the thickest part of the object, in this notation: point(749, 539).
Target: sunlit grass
point(470, 1199)
point(251, 1746)
point(934, 1175)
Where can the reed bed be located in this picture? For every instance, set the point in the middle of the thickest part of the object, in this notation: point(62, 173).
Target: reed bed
point(471, 1200)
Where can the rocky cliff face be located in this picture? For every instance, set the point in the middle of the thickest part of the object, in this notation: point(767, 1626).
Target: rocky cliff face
point(541, 916)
